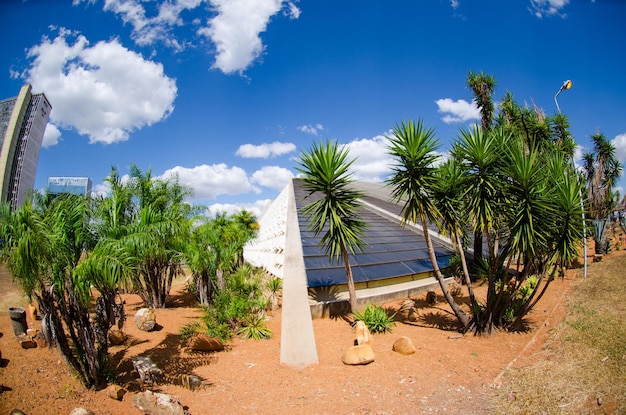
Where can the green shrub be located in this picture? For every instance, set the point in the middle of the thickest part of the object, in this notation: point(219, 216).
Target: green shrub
point(376, 319)
point(254, 328)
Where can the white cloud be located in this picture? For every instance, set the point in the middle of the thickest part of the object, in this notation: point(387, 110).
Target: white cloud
point(541, 8)
point(210, 181)
point(255, 208)
point(454, 4)
point(372, 161)
point(104, 91)
point(51, 136)
point(293, 11)
point(272, 176)
point(620, 147)
point(236, 28)
point(265, 150)
point(457, 111)
point(153, 25)
point(311, 129)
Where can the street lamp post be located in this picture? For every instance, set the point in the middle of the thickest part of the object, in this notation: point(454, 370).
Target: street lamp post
point(567, 85)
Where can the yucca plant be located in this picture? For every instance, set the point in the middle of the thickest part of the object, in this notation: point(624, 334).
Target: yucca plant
point(376, 319)
point(254, 328)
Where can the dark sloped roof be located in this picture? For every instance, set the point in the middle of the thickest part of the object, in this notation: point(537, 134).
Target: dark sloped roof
point(391, 250)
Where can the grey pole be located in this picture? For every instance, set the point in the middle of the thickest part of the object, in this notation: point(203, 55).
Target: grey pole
point(567, 85)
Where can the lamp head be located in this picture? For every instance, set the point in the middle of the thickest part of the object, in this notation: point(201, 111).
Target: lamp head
point(567, 84)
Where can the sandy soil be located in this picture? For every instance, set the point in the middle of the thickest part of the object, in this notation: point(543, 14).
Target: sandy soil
point(448, 374)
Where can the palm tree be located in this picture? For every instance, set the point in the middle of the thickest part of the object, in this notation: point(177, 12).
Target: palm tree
point(482, 85)
point(602, 169)
point(42, 247)
point(447, 196)
point(413, 180)
point(334, 208)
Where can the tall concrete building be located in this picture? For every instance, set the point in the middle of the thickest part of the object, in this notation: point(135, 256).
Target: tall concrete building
point(23, 121)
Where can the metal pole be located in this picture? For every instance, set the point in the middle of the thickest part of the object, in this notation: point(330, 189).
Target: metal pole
point(567, 85)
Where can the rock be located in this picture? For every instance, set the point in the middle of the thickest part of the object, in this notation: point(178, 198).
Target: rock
point(31, 333)
point(116, 392)
point(145, 319)
point(191, 382)
point(17, 412)
point(26, 342)
point(32, 312)
point(117, 337)
point(41, 342)
point(362, 333)
point(455, 289)
point(154, 403)
point(148, 372)
point(431, 298)
point(406, 312)
point(358, 355)
point(204, 343)
point(81, 411)
point(403, 345)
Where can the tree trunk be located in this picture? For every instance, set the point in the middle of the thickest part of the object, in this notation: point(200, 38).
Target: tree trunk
point(351, 289)
point(461, 316)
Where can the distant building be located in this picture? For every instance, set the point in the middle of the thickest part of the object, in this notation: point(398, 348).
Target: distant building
point(23, 121)
point(69, 185)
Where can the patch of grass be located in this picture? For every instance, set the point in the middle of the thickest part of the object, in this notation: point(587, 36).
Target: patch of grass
point(589, 364)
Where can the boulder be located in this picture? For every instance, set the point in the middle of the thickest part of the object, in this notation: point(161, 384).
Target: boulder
point(145, 319)
point(406, 312)
point(116, 337)
point(154, 403)
point(26, 342)
point(81, 411)
point(362, 333)
point(431, 297)
point(116, 392)
point(403, 345)
point(358, 355)
point(148, 372)
point(204, 343)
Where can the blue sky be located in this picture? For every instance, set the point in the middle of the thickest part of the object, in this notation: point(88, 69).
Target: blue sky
point(227, 93)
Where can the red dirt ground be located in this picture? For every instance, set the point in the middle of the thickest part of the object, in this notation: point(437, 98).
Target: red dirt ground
point(448, 374)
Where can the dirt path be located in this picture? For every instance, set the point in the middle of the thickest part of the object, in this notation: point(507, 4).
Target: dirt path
point(448, 374)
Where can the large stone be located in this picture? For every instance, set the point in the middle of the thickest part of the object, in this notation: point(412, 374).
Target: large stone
point(81, 411)
point(204, 343)
point(154, 403)
point(148, 371)
point(116, 337)
point(116, 392)
point(145, 319)
point(362, 333)
point(26, 342)
point(362, 354)
point(403, 345)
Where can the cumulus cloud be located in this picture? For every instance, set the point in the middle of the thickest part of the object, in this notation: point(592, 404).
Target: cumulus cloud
point(457, 111)
point(210, 181)
point(620, 147)
point(151, 22)
point(272, 176)
point(265, 150)
point(311, 129)
point(104, 91)
point(51, 136)
point(541, 8)
point(256, 208)
point(235, 31)
point(371, 162)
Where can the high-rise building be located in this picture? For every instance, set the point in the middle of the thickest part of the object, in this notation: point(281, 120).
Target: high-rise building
point(23, 121)
point(69, 185)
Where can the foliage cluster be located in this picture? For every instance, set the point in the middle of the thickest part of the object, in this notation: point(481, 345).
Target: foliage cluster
point(62, 250)
point(376, 318)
